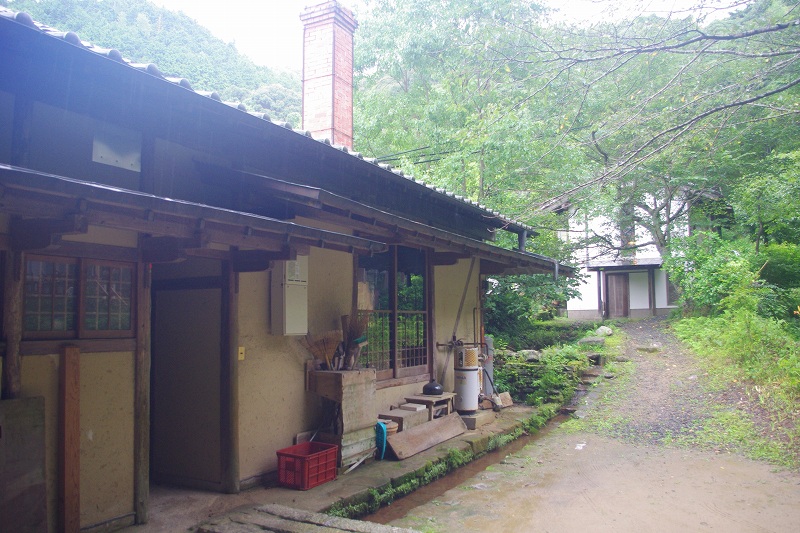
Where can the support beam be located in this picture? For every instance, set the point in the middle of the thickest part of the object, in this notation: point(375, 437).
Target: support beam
point(141, 396)
point(12, 324)
point(447, 258)
point(171, 249)
point(259, 260)
point(69, 441)
point(38, 233)
point(522, 240)
point(229, 382)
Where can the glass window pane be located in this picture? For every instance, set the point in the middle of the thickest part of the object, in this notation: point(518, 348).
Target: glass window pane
point(107, 299)
point(410, 279)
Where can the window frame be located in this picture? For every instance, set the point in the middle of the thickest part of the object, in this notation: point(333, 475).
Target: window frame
point(81, 332)
point(396, 371)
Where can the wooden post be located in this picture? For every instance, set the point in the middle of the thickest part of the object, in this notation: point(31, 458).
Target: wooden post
point(651, 290)
point(141, 396)
point(229, 382)
point(430, 304)
point(69, 441)
point(12, 325)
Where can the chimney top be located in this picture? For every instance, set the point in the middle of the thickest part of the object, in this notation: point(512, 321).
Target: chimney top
point(324, 11)
point(328, 72)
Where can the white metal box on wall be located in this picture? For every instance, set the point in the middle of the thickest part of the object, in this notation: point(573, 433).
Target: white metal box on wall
point(289, 295)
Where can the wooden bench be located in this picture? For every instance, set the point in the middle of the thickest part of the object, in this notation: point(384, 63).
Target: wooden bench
point(435, 403)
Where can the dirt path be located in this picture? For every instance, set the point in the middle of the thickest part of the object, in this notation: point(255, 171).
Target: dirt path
point(616, 468)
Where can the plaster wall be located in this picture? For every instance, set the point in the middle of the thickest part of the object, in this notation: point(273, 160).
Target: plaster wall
point(449, 283)
point(106, 431)
point(273, 403)
point(40, 378)
point(639, 296)
point(106, 436)
point(661, 290)
point(587, 300)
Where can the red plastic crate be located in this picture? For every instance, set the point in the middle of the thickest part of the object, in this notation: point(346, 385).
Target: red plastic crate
point(307, 465)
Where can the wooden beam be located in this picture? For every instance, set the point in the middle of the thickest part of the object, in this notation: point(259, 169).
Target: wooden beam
point(12, 324)
point(141, 396)
point(651, 289)
point(170, 249)
point(259, 260)
point(491, 268)
point(38, 233)
point(447, 258)
point(69, 441)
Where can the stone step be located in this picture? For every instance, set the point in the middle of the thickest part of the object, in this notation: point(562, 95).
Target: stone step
point(283, 519)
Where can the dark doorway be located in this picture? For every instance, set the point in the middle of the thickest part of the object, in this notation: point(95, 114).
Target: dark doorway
point(185, 446)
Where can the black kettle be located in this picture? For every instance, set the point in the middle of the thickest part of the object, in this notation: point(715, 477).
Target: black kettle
point(432, 389)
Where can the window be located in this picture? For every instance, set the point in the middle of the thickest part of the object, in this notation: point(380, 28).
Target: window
point(392, 291)
point(69, 298)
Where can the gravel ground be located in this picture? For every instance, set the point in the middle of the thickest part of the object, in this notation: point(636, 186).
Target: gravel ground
point(666, 397)
point(614, 469)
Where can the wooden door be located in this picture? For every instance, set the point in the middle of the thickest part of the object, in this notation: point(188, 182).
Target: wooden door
point(617, 295)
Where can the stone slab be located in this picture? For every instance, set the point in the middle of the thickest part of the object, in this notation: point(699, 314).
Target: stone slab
point(405, 419)
point(480, 418)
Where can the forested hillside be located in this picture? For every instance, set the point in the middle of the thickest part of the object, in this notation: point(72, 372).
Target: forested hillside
point(177, 45)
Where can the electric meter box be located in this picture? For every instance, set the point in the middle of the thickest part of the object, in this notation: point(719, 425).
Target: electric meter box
point(289, 296)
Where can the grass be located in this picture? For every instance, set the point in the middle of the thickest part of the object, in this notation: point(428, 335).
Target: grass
point(757, 421)
point(732, 431)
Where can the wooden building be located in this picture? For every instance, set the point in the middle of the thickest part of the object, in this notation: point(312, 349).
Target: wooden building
point(164, 252)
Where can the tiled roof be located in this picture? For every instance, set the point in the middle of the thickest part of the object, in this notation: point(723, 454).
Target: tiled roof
point(625, 262)
point(72, 38)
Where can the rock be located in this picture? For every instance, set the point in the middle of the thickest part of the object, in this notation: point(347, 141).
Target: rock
point(596, 358)
point(594, 341)
point(622, 359)
point(609, 376)
point(531, 356)
point(651, 348)
point(604, 331)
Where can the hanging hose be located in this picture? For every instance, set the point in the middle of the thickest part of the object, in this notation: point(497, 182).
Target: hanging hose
point(497, 404)
point(494, 389)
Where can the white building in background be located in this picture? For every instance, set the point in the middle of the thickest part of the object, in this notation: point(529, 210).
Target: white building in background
point(618, 286)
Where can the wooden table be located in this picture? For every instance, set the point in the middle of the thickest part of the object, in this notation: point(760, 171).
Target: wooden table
point(434, 402)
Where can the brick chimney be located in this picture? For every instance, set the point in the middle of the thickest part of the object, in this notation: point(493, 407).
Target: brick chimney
point(328, 72)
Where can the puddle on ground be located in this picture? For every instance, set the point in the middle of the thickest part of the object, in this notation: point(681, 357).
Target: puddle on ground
point(400, 508)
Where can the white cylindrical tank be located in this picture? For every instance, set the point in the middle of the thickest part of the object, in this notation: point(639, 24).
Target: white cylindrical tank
point(467, 390)
point(467, 377)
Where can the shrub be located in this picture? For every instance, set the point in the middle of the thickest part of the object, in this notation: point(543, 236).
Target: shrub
point(781, 265)
point(550, 379)
point(513, 303)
